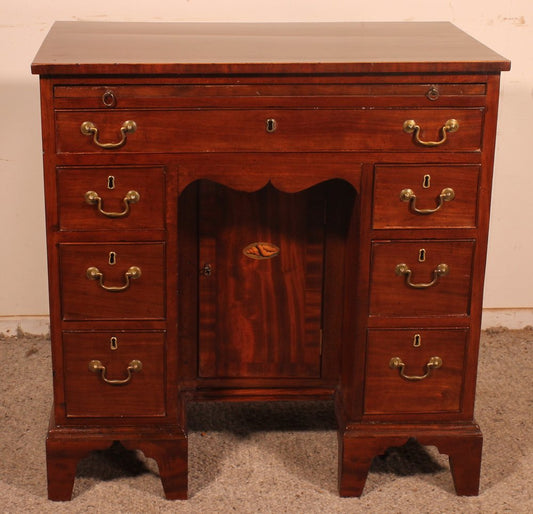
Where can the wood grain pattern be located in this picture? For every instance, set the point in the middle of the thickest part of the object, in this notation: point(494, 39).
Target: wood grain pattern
point(260, 318)
point(230, 48)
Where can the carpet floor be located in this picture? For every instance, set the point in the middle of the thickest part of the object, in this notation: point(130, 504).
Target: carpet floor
point(271, 458)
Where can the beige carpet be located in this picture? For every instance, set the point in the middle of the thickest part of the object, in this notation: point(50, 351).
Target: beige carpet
point(276, 458)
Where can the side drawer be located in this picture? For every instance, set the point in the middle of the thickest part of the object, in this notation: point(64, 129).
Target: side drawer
point(443, 196)
point(265, 130)
point(111, 198)
point(421, 278)
point(415, 387)
point(114, 374)
point(131, 284)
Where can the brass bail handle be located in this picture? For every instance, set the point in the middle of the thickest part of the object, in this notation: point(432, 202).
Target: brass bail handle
point(411, 127)
point(134, 366)
point(397, 363)
point(408, 195)
point(133, 273)
point(88, 128)
point(403, 269)
point(93, 198)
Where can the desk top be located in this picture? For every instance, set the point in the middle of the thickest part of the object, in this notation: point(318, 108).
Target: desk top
point(117, 48)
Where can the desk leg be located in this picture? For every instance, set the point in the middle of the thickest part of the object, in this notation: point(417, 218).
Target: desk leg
point(65, 447)
point(359, 444)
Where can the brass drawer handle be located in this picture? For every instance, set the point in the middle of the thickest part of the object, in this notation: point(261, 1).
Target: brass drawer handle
point(133, 273)
point(88, 128)
point(397, 363)
point(440, 271)
point(133, 367)
point(408, 195)
point(410, 127)
point(92, 198)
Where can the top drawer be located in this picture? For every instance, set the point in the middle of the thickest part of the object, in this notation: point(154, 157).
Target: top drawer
point(269, 130)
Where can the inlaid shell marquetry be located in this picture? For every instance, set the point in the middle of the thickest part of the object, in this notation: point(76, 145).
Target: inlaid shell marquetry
point(261, 250)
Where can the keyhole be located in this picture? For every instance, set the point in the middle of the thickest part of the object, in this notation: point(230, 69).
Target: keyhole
point(206, 270)
point(112, 258)
point(271, 125)
point(426, 183)
point(421, 255)
point(417, 340)
point(110, 182)
point(113, 343)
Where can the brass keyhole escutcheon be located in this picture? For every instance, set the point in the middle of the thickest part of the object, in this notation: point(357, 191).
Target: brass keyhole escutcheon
point(271, 125)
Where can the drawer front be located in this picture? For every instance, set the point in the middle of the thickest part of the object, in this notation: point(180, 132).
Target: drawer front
point(112, 281)
point(103, 377)
point(289, 130)
point(425, 196)
point(111, 198)
point(431, 378)
point(439, 285)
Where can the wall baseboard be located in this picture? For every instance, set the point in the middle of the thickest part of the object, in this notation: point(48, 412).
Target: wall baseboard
point(508, 318)
point(16, 326)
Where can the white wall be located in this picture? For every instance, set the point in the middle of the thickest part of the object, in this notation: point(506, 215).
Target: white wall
point(504, 26)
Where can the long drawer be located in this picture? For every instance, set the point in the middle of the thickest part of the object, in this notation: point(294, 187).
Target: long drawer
point(267, 130)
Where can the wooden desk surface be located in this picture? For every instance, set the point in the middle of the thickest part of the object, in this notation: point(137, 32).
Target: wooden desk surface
point(195, 48)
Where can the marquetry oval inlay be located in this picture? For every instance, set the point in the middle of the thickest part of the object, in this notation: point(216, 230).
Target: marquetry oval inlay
point(261, 250)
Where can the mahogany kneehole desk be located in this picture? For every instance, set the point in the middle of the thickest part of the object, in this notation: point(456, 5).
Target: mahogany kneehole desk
point(266, 212)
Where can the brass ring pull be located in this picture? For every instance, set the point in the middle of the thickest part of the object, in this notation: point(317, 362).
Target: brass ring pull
point(440, 271)
point(88, 128)
point(92, 198)
point(410, 127)
point(397, 363)
point(408, 195)
point(133, 367)
point(93, 273)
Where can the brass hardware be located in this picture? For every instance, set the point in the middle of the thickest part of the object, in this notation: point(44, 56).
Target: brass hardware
point(440, 271)
point(92, 198)
point(206, 270)
point(88, 128)
point(433, 93)
point(134, 366)
point(113, 343)
point(397, 363)
point(426, 183)
point(408, 195)
point(422, 255)
point(111, 182)
point(109, 99)
point(112, 258)
point(410, 127)
point(417, 340)
point(271, 125)
point(133, 273)
point(260, 250)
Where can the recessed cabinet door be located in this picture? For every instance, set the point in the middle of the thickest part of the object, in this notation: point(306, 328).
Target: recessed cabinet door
point(260, 290)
